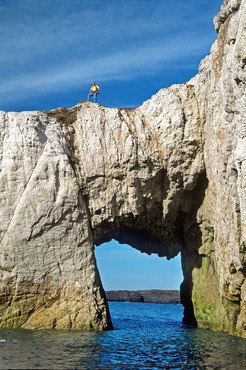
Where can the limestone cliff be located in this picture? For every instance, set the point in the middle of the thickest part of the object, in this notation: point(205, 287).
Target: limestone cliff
point(166, 177)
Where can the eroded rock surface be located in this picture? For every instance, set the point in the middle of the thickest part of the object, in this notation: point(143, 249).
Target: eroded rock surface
point(166, 177)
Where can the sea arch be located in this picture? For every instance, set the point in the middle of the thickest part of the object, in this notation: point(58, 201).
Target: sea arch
point(91, 174)
point(87, 175)
point(145, 184)
point(169, 174)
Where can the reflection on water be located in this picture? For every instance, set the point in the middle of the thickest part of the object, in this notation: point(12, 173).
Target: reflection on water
point(146, 336)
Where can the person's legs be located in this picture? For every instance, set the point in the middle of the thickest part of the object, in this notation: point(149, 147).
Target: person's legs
point(94, 95)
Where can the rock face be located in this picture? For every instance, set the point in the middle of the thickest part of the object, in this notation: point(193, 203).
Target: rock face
point(166, 177)
point(147, 296)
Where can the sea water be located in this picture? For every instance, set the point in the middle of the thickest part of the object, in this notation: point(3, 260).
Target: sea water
point(145, 336)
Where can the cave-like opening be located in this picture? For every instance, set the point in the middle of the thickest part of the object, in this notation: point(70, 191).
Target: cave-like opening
point(123, 267)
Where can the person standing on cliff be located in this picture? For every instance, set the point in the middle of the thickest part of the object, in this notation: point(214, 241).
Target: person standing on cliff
point(94, 91)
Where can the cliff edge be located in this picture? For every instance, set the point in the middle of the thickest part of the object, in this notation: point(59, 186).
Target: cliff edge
point(166, 177)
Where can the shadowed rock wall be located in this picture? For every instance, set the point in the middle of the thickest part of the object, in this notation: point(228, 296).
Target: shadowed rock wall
point(166, 177)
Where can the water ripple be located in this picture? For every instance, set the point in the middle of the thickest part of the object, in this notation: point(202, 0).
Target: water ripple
point(146, 336)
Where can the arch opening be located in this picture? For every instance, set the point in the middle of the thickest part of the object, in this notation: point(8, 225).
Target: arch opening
point(180, 235)
point(126, 273)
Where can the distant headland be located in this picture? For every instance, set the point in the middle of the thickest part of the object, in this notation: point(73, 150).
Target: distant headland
point(147, 296)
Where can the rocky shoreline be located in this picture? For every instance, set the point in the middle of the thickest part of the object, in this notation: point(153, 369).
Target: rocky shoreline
point(147, 296)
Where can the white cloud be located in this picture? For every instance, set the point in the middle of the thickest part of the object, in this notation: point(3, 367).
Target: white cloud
point(45, 49)
point(120, 65)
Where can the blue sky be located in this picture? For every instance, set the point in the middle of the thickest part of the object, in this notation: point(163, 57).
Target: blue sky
point(123, 267)
point(52, 50)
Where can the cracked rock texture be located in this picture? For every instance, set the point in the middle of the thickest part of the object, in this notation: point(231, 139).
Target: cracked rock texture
point(166, 177)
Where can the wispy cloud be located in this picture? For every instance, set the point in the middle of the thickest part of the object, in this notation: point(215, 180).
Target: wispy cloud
point(119, 65)
point(46, 47)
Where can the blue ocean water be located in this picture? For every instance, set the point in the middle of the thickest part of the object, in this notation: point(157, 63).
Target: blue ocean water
point(146, 336)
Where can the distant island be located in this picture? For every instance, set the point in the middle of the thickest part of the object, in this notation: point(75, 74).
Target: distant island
point(147, 296)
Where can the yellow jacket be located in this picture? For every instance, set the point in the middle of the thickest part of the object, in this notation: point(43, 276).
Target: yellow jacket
point(95, 88)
